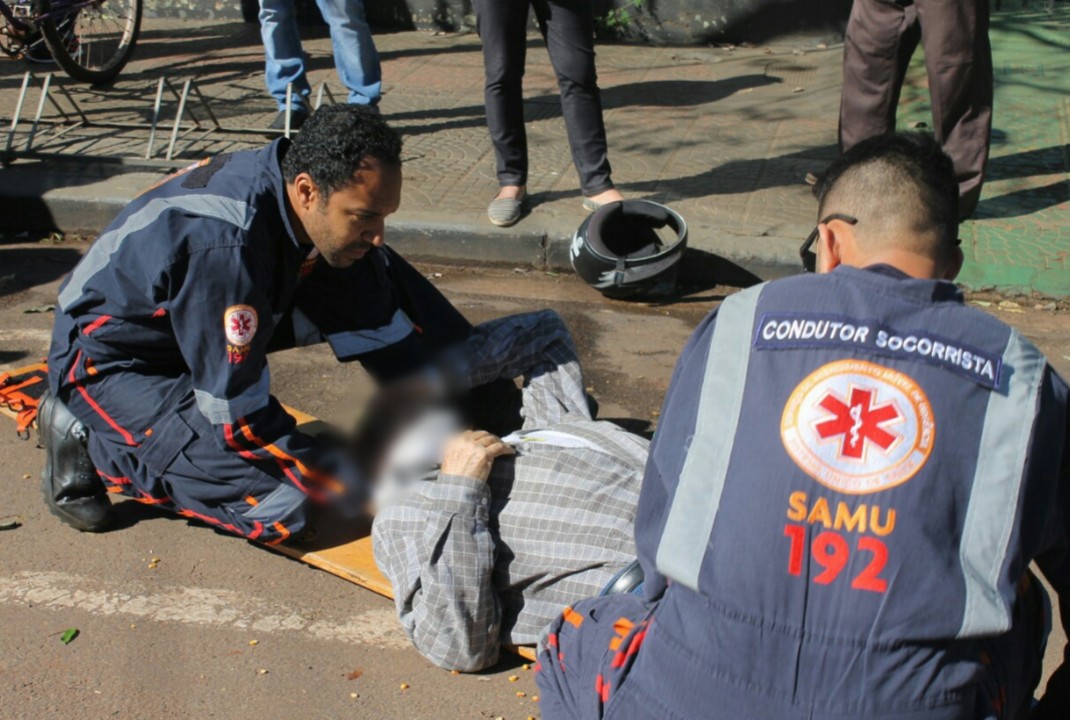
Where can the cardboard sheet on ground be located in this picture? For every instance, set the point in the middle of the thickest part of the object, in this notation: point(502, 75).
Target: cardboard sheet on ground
point(345, 551)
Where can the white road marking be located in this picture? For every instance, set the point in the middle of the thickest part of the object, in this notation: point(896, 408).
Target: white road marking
point(194, 606)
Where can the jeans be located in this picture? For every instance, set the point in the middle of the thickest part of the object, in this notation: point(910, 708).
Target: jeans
point(568, 28)
point(355, 55)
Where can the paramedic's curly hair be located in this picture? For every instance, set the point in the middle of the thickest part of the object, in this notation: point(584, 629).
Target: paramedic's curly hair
point(333, 142)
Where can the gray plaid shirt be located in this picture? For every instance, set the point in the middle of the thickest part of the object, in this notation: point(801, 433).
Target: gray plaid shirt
point(474, 565)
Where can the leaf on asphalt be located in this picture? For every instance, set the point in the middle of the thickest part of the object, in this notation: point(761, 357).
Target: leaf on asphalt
point(355, 674)
point(10, 522)
point(68, 635)
point(39, 309)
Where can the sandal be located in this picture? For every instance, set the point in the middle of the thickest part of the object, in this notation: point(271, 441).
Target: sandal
point(590, 205)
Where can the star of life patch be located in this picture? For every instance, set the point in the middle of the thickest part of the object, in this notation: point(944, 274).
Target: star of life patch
point(239, 324)
point(857, 427)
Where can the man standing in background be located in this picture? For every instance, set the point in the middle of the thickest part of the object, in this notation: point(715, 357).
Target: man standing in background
point(881, 37)
point(355, 56)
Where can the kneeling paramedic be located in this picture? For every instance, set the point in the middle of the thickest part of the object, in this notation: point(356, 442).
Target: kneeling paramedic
point(851, 477)
point(158, 363)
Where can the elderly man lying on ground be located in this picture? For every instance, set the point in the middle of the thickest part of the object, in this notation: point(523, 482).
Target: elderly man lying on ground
point(485, 539)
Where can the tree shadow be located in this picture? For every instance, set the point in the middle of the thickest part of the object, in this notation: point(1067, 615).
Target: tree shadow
point(1024, 202)
point(653, 93)
point(1041, 161)
point(730, 178)
point(677, 93)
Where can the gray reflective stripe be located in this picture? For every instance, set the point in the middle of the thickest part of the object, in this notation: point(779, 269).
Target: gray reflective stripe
point(358, 342)
point(698, 494)
point(997, 483)
point(226, 209)
point(224, 411)
point(279, 503)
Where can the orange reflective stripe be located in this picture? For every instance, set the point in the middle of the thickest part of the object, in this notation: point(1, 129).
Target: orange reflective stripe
point(251, 500)
point(95, 325)
point(602, 688)
point(211, 521)
point(283, 533)
point(228, 433)
point(572, 617)
point(96, 407)
point(114, 479)
point(331, 483)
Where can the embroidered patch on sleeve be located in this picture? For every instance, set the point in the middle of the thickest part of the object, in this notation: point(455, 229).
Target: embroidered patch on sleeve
point(239, 324)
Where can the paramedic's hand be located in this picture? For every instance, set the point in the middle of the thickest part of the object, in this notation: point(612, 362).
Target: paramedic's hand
point(471, 454)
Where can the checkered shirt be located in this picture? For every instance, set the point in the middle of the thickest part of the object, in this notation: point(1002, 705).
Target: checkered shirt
point(474, 565)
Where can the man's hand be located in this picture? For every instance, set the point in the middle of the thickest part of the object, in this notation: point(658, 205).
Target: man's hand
point(472, 453)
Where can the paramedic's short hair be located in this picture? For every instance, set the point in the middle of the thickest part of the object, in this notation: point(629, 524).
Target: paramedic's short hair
point(901, 187)
point(333, 143)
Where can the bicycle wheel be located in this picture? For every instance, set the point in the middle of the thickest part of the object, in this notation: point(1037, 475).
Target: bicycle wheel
point(92, 40)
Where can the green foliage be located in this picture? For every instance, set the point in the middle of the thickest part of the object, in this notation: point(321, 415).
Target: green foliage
point(618, 21)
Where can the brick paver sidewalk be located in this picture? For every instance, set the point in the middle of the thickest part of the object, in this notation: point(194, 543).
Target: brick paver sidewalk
point(723, 135)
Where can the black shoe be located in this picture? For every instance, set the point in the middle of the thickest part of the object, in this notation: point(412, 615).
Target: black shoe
point(298, 115)
point(72, 489)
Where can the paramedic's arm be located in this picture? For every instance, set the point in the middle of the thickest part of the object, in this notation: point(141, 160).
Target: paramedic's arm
point(436, 548)
point(668, 451)
point(223, 322)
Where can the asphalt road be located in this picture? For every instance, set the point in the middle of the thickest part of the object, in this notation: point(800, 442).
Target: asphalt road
point(219, 628)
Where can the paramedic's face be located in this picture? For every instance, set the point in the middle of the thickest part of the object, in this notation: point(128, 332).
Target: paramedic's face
point(347, 224)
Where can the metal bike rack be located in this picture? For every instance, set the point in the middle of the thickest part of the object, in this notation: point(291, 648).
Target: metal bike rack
point(185, 123)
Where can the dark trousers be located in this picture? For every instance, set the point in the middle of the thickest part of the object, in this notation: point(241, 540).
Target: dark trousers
point(183, 467)
point(568, 28)
point(881, 37)
point(611, 657)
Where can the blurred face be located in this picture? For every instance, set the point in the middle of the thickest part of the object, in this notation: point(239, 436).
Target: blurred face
point(349, 222)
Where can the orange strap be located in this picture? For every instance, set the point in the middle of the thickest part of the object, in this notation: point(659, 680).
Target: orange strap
point(25, 406)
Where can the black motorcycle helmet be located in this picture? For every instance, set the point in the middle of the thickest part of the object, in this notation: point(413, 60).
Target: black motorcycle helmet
point(618, 251)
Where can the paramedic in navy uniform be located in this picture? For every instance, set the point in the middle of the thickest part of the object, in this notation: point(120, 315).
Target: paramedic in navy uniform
point(158, 363)
point(852, 476)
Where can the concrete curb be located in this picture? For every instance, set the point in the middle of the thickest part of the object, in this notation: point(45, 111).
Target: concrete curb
point(48, 197)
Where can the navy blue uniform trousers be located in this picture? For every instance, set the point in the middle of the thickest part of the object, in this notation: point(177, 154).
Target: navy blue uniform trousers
point(182, 467)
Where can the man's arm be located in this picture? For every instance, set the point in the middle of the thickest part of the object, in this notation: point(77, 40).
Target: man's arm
point(538, 347)
point(435, 546)
point(1055, 564)
point(222, 322)
point(1056, 699)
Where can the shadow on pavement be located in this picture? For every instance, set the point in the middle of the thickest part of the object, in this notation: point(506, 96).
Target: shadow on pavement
point(23, 268)
point(1024, 202)
point(654, 93)
point(1041, 161)
point(677, 93)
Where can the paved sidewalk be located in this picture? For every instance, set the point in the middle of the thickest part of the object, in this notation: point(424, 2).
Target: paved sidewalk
point(723, 135)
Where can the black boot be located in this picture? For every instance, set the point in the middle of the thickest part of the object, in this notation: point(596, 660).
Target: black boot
point(69, 482)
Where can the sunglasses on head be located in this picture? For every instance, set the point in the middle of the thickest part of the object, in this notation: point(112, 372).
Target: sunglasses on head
point(807, 253)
